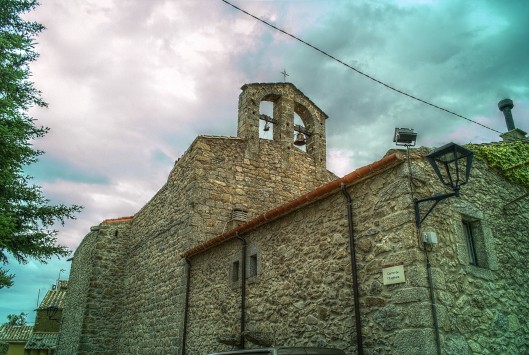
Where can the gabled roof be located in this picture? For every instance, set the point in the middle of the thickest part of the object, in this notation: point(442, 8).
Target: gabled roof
point(15, 333)
point(42, 341)
point(385, 163)
point(53, 298)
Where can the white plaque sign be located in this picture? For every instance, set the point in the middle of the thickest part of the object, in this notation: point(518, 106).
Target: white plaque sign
point(393, 275)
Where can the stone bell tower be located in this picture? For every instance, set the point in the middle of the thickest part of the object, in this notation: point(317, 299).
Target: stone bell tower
point(287, 101)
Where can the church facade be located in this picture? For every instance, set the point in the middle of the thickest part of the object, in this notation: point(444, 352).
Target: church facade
point(248, 244)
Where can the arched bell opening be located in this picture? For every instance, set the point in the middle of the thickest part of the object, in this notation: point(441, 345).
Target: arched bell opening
point(313, 130)
point(300, 133)
point(266, 120)
point(294, 119)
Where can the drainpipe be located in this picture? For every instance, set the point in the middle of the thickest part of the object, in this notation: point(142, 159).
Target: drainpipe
point(243, 289)
point(352, 249)
point(432, 302)
point(186, 305)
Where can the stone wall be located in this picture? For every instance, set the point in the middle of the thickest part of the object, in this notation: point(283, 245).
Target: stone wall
point(484, 306)
point(127, 286)
point(128, 289)
point(92, 313)
point(75, 300)
point(152, 302)
point(302, 293)
point(207, 183)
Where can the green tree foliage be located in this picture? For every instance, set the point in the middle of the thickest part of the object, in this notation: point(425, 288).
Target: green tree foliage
point(16, 319)
point(510, 157)
point(26, 216)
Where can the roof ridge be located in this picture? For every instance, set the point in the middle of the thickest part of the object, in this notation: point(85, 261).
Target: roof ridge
point(116, 220)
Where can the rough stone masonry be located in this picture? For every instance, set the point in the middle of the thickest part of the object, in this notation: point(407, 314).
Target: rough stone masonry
point(128, 283)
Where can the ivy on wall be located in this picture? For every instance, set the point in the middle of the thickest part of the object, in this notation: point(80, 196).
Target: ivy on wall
point(510, 157)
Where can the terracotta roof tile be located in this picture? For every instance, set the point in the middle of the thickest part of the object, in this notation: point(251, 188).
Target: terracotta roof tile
point(14, 333)
point(319, 193)
point(42, 341)
point(53, 298)
point(116, 220)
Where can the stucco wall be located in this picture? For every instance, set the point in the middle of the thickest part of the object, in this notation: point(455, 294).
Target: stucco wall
point(15, 349)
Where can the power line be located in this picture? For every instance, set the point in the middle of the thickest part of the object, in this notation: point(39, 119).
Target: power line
point(358, 71)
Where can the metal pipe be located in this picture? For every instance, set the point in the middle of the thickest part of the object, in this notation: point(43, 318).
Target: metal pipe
point(243, 289)
point(358, 320)
point(432, 301)
point(505, 106)
point(186, 305)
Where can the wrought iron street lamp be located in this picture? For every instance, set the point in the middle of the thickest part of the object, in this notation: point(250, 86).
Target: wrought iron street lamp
point(452, 164)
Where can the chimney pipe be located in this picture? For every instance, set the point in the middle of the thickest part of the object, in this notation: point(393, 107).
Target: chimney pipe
point(505, 106)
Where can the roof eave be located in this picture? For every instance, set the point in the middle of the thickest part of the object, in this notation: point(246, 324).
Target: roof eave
point(354, 177)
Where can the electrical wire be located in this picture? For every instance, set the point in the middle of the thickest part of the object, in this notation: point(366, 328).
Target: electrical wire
point(358, 71)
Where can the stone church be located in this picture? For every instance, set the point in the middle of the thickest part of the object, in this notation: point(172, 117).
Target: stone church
point(253, 242)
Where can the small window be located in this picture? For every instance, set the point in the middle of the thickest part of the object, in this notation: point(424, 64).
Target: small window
point(478, 243)
point(253, 266)
point(470, 242)
point(235, 271)
point(249, 267)
point(475, 242)
point(253, 263)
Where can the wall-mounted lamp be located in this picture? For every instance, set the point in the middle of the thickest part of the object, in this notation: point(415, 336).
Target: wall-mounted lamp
point(404, 136)
point(51, 311)
point(452, 164)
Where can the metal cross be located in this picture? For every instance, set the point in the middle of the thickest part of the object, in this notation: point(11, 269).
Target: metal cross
point(284, 72)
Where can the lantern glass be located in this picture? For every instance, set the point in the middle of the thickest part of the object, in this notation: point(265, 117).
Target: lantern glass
point(452, 164)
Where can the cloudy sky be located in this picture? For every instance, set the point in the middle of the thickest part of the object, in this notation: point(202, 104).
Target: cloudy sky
point(131, 83)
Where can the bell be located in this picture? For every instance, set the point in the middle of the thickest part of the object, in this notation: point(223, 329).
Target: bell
point(266, 126)
point(300, 139)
